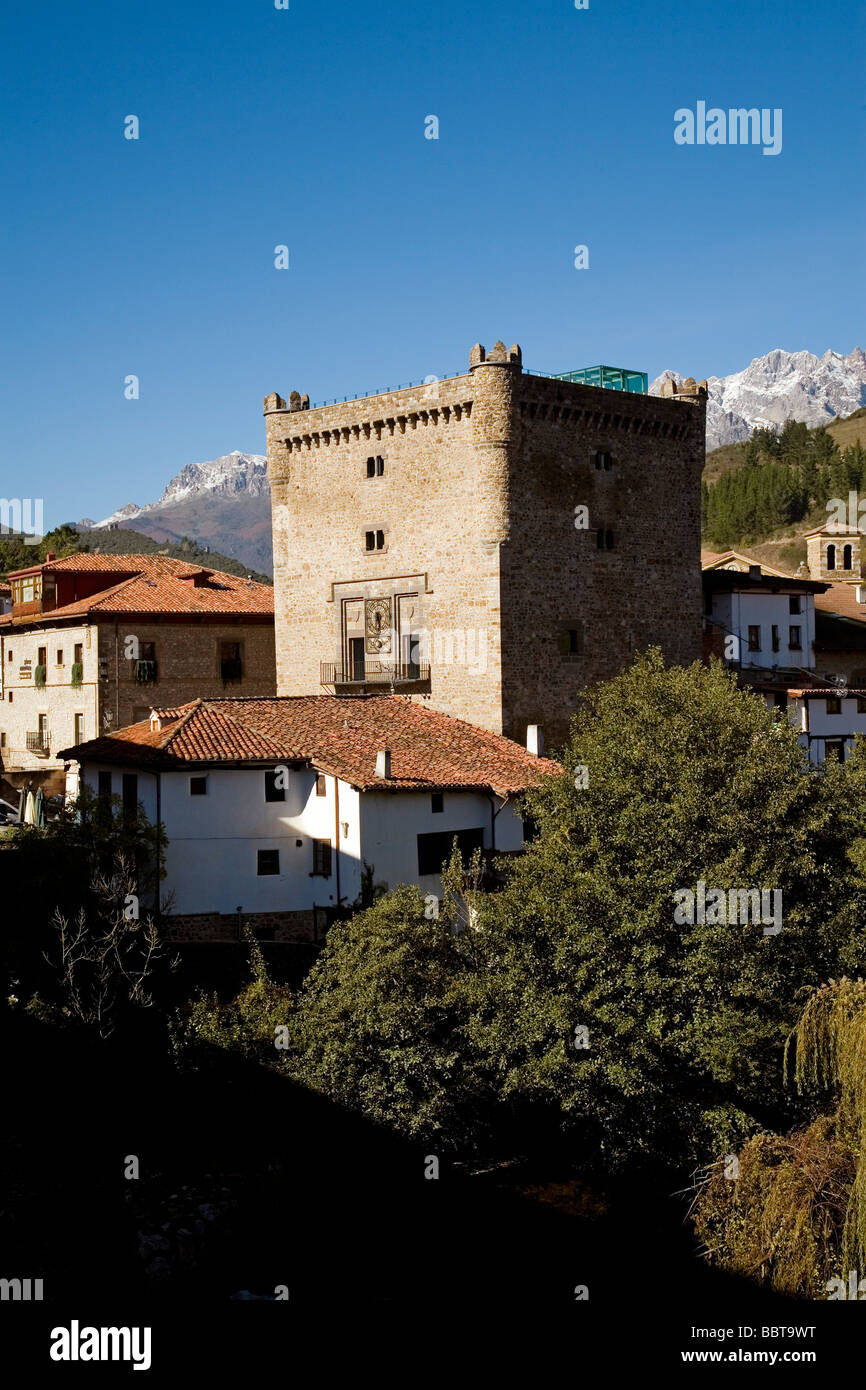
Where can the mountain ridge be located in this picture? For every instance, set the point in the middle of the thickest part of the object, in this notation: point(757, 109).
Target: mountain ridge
point(780, 386)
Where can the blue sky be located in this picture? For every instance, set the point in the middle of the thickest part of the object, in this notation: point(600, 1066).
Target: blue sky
point(305, 127)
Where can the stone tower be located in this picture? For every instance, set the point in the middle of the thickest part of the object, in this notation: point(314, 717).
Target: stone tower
point(833, 552)
point(489, 544)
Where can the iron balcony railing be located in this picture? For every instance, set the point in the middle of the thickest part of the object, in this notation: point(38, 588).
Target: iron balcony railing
point(39, 743)
point(373, 673)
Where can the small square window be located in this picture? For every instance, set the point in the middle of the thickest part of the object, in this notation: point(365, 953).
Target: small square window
point(437, 802)
point(834, 704)
point(198, 786)
point(268, 862)
point(275, 785)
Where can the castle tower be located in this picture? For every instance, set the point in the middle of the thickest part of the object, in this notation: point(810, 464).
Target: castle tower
point(489, 544)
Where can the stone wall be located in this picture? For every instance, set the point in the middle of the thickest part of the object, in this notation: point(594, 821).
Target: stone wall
point(556, 580)
point(476, 506)
point(287, 927)
point(436, 502)
point(188, 664)
point(109, 696)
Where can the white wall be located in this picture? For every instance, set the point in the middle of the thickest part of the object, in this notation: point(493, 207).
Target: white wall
point(738, 611)
point(211, 860)
point(213, 840)
point(392, 821)
point(822, 725)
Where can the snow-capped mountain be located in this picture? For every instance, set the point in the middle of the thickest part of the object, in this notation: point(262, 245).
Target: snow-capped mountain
point(224, 503)
point(232, 473)
point(781, 386)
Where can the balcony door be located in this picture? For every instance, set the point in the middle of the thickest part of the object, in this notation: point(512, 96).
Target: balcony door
point(409, 655)
point(357, 660)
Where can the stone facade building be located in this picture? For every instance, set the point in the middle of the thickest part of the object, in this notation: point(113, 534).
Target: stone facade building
point(489, 544)
point(94, 641)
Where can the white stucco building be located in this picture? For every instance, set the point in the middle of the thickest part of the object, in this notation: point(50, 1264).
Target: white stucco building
point(767, 620)
point(828, 721)
point(272, 807)
point(765, 626)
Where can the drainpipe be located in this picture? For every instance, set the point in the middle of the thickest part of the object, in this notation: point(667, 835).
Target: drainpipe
point(337, 835)
point(116, 676)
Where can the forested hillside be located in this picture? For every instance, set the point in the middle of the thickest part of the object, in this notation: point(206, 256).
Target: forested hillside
point(780, 480)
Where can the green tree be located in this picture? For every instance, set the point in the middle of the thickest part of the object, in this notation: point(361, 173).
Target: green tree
point(381, 1023)
point(689, 779)
point(572, 1001)
point(792, 1208)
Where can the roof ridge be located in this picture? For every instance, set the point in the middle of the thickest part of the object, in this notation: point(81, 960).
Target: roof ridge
point(181, 722)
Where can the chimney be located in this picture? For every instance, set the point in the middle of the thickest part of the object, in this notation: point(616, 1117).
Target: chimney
point(861, 593)
point(50, 555)
point(383, 763)
point(535, 740)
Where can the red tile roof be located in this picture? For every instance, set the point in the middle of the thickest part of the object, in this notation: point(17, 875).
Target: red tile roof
point(336, 735)
point(154, 584)
point(117, 564)
point(841, 599)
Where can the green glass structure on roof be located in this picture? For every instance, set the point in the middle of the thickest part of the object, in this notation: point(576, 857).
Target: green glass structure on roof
point(611, 378)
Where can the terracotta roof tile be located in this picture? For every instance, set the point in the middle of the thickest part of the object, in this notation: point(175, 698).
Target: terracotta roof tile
point(339, 736)
point(841, 599)
point(157, 584)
